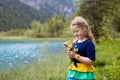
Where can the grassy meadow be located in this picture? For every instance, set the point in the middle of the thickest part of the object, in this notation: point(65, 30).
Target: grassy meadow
point(107, 65)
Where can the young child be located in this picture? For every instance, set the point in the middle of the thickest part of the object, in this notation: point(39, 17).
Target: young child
point(81, 67)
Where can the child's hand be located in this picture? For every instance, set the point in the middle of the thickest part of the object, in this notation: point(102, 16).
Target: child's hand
point(71, 54)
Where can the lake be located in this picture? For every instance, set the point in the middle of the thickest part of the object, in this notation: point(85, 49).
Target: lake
point(20, 53)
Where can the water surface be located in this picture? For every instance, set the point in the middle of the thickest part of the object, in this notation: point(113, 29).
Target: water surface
point(19, 53)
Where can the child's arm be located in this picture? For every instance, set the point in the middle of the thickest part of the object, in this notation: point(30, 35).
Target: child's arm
point(82, 59)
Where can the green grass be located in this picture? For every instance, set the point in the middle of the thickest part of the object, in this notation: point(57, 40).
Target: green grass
point(52, 68)
point(107, 65)
point(107, 62)
point(25, 38)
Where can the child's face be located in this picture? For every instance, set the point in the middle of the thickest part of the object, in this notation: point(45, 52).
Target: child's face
point(77, 32)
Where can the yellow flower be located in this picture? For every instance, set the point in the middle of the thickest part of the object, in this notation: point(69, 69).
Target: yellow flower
point(68, 44)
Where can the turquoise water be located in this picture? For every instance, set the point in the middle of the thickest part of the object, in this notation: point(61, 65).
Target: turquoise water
point(13, 54)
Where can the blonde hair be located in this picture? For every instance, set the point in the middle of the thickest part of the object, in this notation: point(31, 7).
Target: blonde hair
point(82, 23)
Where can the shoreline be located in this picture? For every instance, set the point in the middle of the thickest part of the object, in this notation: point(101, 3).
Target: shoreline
point(25, 38)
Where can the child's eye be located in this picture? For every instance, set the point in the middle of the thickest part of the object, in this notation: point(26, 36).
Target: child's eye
point(75, 31)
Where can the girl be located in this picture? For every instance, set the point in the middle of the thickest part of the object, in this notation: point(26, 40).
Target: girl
point(81, 67)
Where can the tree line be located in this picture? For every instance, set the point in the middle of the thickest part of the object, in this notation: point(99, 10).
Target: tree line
point(102, 15)
point(57, 26)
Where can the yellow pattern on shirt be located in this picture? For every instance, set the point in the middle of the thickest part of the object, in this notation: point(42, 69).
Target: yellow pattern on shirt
point(81, 67)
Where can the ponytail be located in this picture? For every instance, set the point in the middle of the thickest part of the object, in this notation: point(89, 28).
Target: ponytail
point(90, 36)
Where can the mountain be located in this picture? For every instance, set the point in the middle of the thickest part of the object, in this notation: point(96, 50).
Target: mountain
point(18, 14)
point(52, 7)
